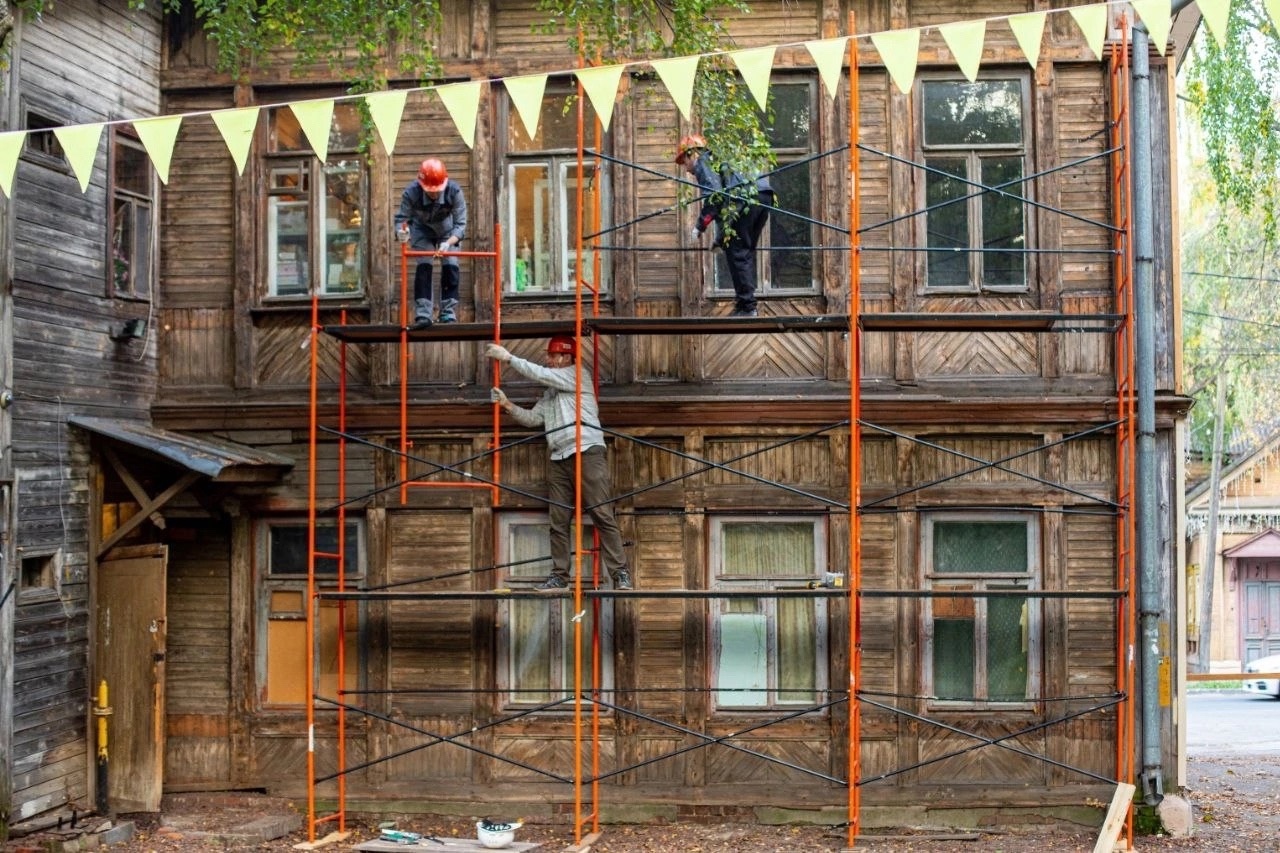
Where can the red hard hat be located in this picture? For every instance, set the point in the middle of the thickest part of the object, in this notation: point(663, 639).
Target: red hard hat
point(562, 344)
point(432, 175)
point(692, 142)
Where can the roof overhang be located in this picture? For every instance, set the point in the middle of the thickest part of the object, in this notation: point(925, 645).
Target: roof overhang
point(220, 460)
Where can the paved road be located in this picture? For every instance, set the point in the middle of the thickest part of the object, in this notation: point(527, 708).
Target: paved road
point(1221, 724)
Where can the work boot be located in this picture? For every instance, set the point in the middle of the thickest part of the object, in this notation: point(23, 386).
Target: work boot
point(421, 314)
point(622, 579)
point(448, 311)
point(552, 582)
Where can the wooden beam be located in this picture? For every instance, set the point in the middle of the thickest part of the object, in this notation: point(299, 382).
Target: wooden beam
point(151, 506)
point(131, 483)
point(1114, 822)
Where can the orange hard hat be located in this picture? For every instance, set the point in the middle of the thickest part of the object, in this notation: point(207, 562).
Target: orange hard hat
point(692, 142)
point(562, 344)
point(432, 175)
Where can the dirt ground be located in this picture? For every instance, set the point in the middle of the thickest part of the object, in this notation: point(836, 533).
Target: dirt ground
point(1236, 800)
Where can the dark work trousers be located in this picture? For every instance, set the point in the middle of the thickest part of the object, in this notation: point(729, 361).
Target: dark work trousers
point(740, 249)
point(449, 278)
point(596, 489)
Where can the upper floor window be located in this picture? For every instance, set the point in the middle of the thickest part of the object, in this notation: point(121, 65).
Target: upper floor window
point(975, 151)
point(768, 652)
point(981, 648)
point(41, 145)
point(543, 211)
point(536, 637)
point(779, 269)
point(316, 218)
point(131, 220)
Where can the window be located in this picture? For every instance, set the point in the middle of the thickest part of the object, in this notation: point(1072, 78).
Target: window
point(975, 151)
point(542, 209)
point(315, 211)
point(768, 652)
point(282, 557)
point(39, 574)
point(982, 648)
point(789, 126)
point(41, 146)
point(131, 223)
point(536, 637)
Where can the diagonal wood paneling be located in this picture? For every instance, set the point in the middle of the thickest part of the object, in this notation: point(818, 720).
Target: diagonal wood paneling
point(987, 765)
point(283, 358)
point(764, 356)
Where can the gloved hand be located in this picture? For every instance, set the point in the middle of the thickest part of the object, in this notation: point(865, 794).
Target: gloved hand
point(497, 353)
point(445, 246)
point(497, 395)
point(695, 235)
point(402, 233)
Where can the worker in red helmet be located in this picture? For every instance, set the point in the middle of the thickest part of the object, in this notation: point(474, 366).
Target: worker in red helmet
point(739, 208)
point(556, 414)
point(433, 218)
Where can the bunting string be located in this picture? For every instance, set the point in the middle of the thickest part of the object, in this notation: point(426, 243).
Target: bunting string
point(898, 51)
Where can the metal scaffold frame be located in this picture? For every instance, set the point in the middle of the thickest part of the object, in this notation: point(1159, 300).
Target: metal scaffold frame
point(587, 706)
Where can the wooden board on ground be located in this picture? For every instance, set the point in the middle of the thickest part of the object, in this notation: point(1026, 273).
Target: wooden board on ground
point(331, 838)
point(1114, 824)
point(454, 845)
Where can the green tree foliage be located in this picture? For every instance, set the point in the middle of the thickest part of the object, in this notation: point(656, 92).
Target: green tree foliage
point(1234, 89)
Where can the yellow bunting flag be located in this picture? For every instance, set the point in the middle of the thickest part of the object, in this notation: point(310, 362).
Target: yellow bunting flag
point(316, 118)
point(10, 148)
point(677, 75)
point(158, 136)
point(965, 39)
point(80, 144)
point(236, 127)
point(386, 110)
point(462, 100)
point(1155, 17)
point(1215, 14)
point(1273, 9)
point(526, 94)
point(1029, 31)
point(755, 65)
point(1092, 21)
point(899, 50)
point(601, 85)
point(828, 55)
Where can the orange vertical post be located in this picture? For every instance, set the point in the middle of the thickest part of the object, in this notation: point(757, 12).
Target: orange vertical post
point(855, 448)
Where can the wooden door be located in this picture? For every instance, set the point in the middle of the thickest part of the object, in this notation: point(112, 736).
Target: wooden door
point(130, 657)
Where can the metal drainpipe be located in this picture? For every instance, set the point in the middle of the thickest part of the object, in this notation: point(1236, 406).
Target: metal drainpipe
point(1149, 582)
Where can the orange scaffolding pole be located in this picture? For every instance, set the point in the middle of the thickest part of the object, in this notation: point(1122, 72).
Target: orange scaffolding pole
point(855, 449)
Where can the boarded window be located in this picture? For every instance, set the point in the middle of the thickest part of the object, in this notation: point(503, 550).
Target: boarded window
point(982, 647)
point(768, 652)
point(975, 153)
point(544, 212)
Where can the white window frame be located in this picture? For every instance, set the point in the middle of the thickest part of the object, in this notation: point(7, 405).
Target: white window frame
point(294, 583)
point(1029, 580)
point(521, 573)
point(974, 154)
point(739, 698)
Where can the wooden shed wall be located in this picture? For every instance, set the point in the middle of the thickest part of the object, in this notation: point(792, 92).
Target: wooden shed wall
point(79, 62)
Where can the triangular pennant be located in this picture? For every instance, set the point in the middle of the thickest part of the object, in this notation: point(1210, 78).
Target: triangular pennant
point(1155, 17)
point(677, 75)
point(1273, 9)
point(1215, 14)
point(755, 65)
point(828, 55)
point(236, 127)
point(462, 100)
point(316, 119)
point(899, 50)
point(80, 144)
point(1028, 29)
point(601, 85)
point(158, 136)
point(965, 42)
point(386, 109)
point(10, 149)
point(1092, 21)
point(526, 94)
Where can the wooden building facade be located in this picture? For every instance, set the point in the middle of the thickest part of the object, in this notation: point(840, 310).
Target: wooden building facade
point(988, 454)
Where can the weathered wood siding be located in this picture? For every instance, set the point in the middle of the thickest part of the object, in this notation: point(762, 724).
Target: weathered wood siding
point(79, 62)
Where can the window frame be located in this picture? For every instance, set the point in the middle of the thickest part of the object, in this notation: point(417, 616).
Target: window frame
point(719, 579)
point(51, 565)
point(932, 580)
point(973, 155)
point(145, 240)
point(319, 265)
point(41, 145)
point(526, 575)
point(560, 165)
point(716, 271)
point(275, 586)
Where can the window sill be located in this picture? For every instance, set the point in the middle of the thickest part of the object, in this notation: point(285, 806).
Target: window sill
point(295, 305)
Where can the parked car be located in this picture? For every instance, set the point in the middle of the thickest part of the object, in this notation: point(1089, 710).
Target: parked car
point(1263, 686)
